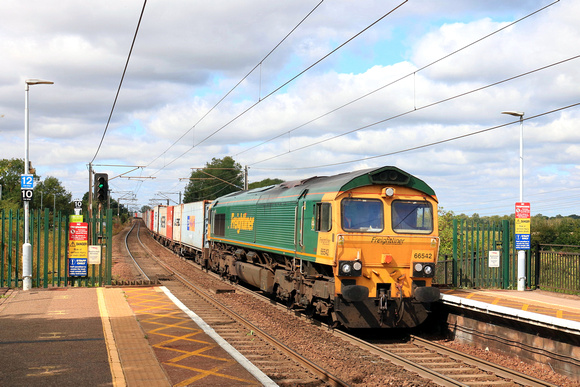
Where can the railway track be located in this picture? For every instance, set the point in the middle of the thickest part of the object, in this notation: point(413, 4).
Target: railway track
point(147, 269)
point(446, 366)
point(430, 361)
point(280, 363)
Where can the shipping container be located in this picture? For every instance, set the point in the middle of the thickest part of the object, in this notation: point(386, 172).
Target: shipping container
point(169, 223)
point(193, 224)
point(177, 213)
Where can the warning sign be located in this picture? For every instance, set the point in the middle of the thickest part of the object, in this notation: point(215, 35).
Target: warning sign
point(78, 231)
point(522, 226)
point(78, 246)
point(78, 249)
point(522, 210)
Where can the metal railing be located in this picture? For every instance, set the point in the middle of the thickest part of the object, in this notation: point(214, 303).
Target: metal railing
point(548, 267)
point(558, 268)
point(49, 240)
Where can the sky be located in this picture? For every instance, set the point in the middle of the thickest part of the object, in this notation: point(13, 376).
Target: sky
point(294, 89)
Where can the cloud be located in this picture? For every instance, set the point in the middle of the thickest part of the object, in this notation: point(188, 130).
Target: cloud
point(373, 97)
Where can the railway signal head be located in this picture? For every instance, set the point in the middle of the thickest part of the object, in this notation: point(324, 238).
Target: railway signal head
point(101, 187)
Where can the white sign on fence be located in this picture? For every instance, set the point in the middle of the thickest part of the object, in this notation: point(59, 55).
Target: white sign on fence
point(94, 254)
point(494, 258)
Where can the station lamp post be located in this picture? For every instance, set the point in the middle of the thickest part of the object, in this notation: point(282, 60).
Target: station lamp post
point(521, 252)
point(27, 247)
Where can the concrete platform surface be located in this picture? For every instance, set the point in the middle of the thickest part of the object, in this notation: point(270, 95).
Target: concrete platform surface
point(94, 337)
point(558, 310)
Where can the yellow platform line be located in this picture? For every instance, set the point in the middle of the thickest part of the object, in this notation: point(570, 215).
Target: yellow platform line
point(114, 361)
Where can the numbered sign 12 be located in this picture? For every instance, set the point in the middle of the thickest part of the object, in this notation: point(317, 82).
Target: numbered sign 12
point(26, 181)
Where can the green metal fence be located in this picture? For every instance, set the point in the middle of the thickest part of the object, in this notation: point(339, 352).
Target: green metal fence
point(470, 266)
point(49, 240)
point(558, 268)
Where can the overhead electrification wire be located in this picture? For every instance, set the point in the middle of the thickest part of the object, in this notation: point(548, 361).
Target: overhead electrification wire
point(424, 145)
point(415, 109)
point(399, 79)
point(121, 82)
point(283, 85)
point(240, 82)
point(302, 72)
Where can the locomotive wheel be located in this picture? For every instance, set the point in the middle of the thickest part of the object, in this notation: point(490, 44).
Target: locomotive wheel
point(310, 310)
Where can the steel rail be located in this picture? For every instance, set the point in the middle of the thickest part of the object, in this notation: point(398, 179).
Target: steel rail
point(129, 251)
point(498, 370)
point(312, 367)
point(407, 364)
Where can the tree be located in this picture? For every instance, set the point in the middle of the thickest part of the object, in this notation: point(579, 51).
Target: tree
point(264, 183)
point(218, 178)
point(445, 232)
point(10, 171)
point(52, 195)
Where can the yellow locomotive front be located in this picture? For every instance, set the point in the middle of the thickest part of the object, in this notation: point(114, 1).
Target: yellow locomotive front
point(385, 256)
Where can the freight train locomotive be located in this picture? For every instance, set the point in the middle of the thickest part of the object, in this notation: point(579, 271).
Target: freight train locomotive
point(359, 247)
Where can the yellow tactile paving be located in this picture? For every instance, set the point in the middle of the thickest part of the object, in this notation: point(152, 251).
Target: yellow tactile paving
point(137, 360)
point(188, 355)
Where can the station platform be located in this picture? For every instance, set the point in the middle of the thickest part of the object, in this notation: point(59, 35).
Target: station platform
point(134, 336)
point(558, 311)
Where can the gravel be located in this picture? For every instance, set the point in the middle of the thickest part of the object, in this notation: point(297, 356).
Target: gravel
point(356, 367)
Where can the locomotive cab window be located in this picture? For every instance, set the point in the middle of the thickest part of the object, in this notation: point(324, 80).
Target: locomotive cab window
point(362, 215)
point(322, 213)
point(412, 217)
point(219, 224)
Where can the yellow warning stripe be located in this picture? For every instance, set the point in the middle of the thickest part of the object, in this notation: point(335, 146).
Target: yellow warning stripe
point(114, 361)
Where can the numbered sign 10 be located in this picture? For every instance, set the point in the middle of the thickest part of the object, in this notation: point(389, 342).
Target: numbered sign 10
point(27, 194)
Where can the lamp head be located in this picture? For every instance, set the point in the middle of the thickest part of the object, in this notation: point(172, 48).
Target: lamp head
point(513, 113)
point(38, 82)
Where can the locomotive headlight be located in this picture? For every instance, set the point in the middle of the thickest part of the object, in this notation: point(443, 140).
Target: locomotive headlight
point(346, 268)
point(423, 269)
point(350, 268)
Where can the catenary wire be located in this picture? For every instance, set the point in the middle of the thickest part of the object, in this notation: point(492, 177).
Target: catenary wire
point(424, 145)
point(280, 87)
point(121, 82)
point(300, 73)
point(415, 109)
point(239, 83)
point(399, 79)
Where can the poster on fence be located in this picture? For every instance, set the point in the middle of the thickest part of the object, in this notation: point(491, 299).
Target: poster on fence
point(78, 249)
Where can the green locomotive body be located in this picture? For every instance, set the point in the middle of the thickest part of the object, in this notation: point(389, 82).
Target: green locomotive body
point(359, 247)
